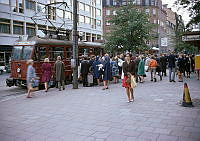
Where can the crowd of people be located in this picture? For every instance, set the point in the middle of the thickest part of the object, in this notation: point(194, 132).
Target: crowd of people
point(131, 69)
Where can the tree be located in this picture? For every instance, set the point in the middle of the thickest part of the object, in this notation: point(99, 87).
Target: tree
point(194, 7)
point(130, 29)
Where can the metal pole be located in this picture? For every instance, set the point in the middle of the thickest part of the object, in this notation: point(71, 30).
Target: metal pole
point(75, 46)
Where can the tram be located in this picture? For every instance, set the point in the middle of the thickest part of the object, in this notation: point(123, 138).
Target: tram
point(38, 49)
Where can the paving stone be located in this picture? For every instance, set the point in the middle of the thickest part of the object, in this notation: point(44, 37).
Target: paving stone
point(162, 131)
point(116, 137)
point(167, 138)
point(101, 135)
point(131, 133)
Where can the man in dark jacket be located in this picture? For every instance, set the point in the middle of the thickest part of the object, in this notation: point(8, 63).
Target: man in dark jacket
point(84, 71)
point(59, 73)
point(171, 66)
point(163, 64)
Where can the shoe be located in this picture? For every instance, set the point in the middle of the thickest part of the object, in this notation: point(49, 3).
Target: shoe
point(63, 88)
point(170, 80)
point(131, 100)
point(59, 89)
point(105, 88)
point(155, 79)
point(151, 79)
point(173, 81)
point(160, 78)
point(29, 97)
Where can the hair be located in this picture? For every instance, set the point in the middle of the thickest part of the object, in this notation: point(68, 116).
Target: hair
point(46, 60)
point(59, 58)
point(30, 61)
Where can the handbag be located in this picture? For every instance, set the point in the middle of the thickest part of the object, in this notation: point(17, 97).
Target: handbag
point(51, 83)
point(133, 82)
point(35, 83)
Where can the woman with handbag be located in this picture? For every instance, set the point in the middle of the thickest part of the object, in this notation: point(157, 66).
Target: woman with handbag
point(47, 73)
point(129, 72)
point(31, 79)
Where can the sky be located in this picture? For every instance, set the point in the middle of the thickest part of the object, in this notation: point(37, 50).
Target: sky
point(183, 12)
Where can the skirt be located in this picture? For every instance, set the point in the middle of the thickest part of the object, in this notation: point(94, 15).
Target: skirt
point(124, 84)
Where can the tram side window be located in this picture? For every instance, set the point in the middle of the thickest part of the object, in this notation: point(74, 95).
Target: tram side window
point(55, 52)
point(84, 51)
point(42, 53)
point(69, 52)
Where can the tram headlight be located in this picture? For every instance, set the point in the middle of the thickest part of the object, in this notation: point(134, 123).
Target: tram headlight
point(18, 70)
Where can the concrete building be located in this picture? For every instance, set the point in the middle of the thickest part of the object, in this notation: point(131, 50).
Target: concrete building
point(170, 28)
point(152, 7)
point(15, 19)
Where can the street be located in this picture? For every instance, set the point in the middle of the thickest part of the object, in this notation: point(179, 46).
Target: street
point(7, 93)
point(91, 114)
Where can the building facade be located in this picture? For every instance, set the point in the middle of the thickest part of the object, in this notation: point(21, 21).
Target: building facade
point(16, 18)
point(156, 13)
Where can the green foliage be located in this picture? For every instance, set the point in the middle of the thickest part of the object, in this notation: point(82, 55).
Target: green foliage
point(130, 29)
point(194, 7)
point(185, 47)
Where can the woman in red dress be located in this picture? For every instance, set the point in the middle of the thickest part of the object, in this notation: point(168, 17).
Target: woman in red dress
point(129, 70)
point(47, 73)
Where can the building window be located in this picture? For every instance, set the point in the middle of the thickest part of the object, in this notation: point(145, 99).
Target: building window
point(87, 20)
point(155, 21)
point(94, 23)
point(51, 13)
point(21, 6)
point(41, 8)
point(18, 27)
point(98, 37)
point(147, 11)
point(30, 5)
point(124, 2)
point(153, 2)
point(93, 37)
point(30, 29)
point(107, 23)
point(114, 12)
point(98, 12)
point(87, 8)
point(60, 13)
point(98, 23)
point(98, 2)
point(154, 11)
point(108, 2)
point(18, 6)
point(5, 1)
point(138, 2)
point(4, 26)
point(81, 19)
point(68, 15)
point(147, 2)
point(88, 37)
point(81, 6)
point(107, 12)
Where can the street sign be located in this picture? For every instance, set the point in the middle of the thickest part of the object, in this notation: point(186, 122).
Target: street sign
point(164, 42)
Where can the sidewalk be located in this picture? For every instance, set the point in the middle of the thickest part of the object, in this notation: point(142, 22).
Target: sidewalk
point(91, 114)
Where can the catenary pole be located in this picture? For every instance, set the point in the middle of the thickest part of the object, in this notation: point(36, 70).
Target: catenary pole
point(75, 46)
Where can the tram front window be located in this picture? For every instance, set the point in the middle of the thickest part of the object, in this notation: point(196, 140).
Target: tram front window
point(27, 52)
point(17, 52)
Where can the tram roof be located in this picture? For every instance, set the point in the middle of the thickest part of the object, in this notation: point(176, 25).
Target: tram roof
point(36, 41)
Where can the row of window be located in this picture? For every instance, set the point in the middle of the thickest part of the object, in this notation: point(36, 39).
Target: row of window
point(18, 28)
point(147, 11)
point(136, 2)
